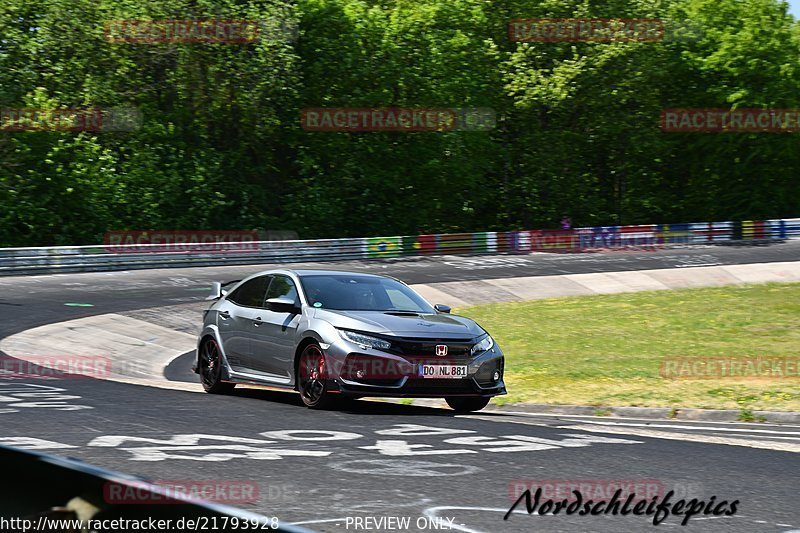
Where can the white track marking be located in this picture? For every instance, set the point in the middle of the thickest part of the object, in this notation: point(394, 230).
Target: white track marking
point(404, 468)
point(772, 437)
point(414, 430)
point(688, 437)
point(402, 448)
point(433, 512)
point(704, 428)
point(497, 417)
point(324, 521)
point(32, 443)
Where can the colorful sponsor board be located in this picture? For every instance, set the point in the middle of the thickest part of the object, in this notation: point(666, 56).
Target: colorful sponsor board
point(554, 240)
point(455, 243)
point(384, 246)
point(674, 233)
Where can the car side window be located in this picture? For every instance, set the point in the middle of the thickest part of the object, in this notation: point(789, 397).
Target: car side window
point(282, 287)
point(251, 293)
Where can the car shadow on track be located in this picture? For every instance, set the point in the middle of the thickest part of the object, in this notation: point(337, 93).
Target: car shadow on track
point(362, 407)
point(180, 370)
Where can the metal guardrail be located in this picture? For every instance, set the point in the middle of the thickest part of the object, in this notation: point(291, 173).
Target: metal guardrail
point(15, 261)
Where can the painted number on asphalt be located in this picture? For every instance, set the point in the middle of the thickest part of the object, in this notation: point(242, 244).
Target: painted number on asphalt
point(318, 443)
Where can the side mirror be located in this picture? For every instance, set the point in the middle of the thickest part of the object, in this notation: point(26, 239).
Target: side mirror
point(217, 291)
point(442, 308)
point(282, 305)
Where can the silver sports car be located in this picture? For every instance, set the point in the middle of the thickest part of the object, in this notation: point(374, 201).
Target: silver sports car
point(331, 335)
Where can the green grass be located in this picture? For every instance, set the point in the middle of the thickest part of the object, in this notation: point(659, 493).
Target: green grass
point(607, 350)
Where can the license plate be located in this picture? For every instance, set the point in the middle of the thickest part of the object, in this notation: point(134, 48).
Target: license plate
point(443, 371)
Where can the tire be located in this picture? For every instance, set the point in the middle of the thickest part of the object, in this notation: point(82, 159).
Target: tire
point(312, 382)
point(468, 404)
point(210, 369)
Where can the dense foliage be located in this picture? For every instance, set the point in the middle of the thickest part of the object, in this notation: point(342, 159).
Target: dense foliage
point(220, 145)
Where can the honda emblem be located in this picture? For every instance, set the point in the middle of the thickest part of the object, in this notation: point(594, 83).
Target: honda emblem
point(441, 350)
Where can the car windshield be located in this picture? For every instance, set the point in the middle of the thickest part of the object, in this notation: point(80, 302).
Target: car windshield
point(345, 292)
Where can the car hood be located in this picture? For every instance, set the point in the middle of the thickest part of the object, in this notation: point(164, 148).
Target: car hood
point(418, 325)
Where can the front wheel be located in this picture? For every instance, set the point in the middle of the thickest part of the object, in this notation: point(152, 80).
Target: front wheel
point(312, 379)
point(211, 369)
point(467, 405)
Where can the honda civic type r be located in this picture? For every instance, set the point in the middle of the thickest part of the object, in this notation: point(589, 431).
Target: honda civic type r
point(331, 335)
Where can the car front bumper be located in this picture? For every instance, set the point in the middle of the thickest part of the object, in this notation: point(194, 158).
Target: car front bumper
point(392, 375)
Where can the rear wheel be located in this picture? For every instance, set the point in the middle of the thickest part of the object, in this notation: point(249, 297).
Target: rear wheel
point(467, 405)
point(312, 379)
point(211, 369)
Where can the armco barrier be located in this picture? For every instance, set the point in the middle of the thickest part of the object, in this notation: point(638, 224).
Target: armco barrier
point(599, 237)
point(755, 229)
point(554, 240)
point(710, 232)
point(643, 235)
point(784, 228)
point(456, 243)
point(384, 246)
point(674, 233)
point(137, 256)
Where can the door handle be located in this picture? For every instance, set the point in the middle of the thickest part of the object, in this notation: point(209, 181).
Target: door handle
point(257, 321)
point(225, 314)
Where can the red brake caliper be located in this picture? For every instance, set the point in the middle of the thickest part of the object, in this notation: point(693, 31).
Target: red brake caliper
point(321, 368)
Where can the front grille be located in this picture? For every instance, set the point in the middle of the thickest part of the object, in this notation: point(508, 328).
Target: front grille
point(427, 347)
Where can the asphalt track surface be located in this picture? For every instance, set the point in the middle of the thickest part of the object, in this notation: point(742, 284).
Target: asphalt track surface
point(376, 460)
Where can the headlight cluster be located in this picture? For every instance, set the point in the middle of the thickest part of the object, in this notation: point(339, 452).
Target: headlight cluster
point(484, 344)
point(365, 340)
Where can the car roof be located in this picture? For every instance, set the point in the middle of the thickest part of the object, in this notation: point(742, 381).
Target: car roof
point(313, 272)
point(317, 272)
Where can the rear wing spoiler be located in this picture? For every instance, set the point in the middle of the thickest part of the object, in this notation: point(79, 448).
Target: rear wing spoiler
point(218, 289)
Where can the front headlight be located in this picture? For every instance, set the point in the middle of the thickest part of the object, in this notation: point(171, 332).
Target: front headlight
point(484, 344)
point(365, 341)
